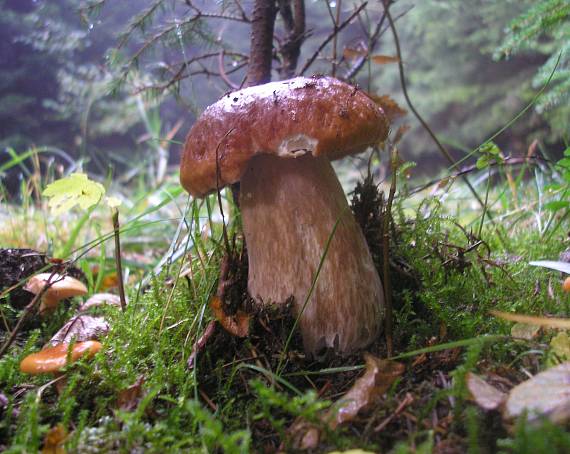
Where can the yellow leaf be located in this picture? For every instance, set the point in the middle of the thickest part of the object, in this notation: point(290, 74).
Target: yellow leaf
point(76, 189)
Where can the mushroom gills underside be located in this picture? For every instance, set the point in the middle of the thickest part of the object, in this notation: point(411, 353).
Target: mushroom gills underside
point(289, 211)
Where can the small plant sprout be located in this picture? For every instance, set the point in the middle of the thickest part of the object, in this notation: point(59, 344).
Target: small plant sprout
point(278, 139)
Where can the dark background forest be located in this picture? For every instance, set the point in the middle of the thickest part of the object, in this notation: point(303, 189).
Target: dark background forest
point(469, 71)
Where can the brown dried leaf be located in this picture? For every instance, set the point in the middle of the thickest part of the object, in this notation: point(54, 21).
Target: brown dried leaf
point(367, 390)
point(81, 328)
point(54, 439)
point(384, 59)
point(390, 107)
point(547, 394)
point(129, 398)
point(237, 325)
point(486, 396)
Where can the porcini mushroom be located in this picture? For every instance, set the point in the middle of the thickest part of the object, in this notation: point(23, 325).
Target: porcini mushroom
point(278, 139)
point(61, 287)
point(54, 358)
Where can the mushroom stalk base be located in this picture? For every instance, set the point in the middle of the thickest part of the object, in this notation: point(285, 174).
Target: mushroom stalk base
point(289, 210)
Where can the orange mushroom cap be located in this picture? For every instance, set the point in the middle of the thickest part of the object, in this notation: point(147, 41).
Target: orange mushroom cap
point(53, 359)
point(62, 287)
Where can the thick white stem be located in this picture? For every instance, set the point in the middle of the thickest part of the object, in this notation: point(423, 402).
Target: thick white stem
point(289, 209)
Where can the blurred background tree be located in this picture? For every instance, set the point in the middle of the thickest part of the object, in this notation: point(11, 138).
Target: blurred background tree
point(101, 81)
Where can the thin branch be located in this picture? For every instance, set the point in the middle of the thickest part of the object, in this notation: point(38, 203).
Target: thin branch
point(386, 254)
point(439, 145)
point(200, 13)
point(290, 49)
point(118, 261)
point(330, 37)
point(223, 74)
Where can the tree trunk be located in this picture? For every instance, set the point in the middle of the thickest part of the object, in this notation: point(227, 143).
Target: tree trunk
point(261, 51)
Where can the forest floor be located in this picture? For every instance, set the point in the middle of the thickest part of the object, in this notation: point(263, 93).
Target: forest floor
point(169, 378)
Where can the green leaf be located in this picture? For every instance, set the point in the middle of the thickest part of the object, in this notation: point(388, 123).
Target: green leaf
point(490, 148)
point(557, 205)
point(482, 162)
point(76, 189)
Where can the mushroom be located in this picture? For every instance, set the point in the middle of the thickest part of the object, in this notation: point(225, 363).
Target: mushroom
point(278, 139)
point(54, 358)
point(61, 287)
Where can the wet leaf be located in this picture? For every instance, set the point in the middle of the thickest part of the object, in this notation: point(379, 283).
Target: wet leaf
point(380, 374)
point(547, 394)
point(547, 322)
point(54, 439)
point(384, 59)
point(485, 396)
point(81, 328)
point(237, 324)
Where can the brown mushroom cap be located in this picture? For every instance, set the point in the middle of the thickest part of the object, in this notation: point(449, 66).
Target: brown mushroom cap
point(53, 359)
point(62, 287)
point(320, 115)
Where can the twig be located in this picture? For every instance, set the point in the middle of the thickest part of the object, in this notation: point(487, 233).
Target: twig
point(27, 311)
point(439, 145)
point(330, 37)
point(224, 230)
point(223, 74)
point(386, 253)
point(118, 262)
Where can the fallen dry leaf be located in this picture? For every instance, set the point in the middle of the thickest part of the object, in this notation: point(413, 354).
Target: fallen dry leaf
point(54, 439)
point(547, 394)
point(81, 328)
point(367, 390)
point(485, 396)
point(547, 322)
point(129, 398)
point(237, 324)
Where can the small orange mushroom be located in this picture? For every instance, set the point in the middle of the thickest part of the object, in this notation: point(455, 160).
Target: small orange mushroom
point(566, 285)
point(53, 359)
point(62, 287)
